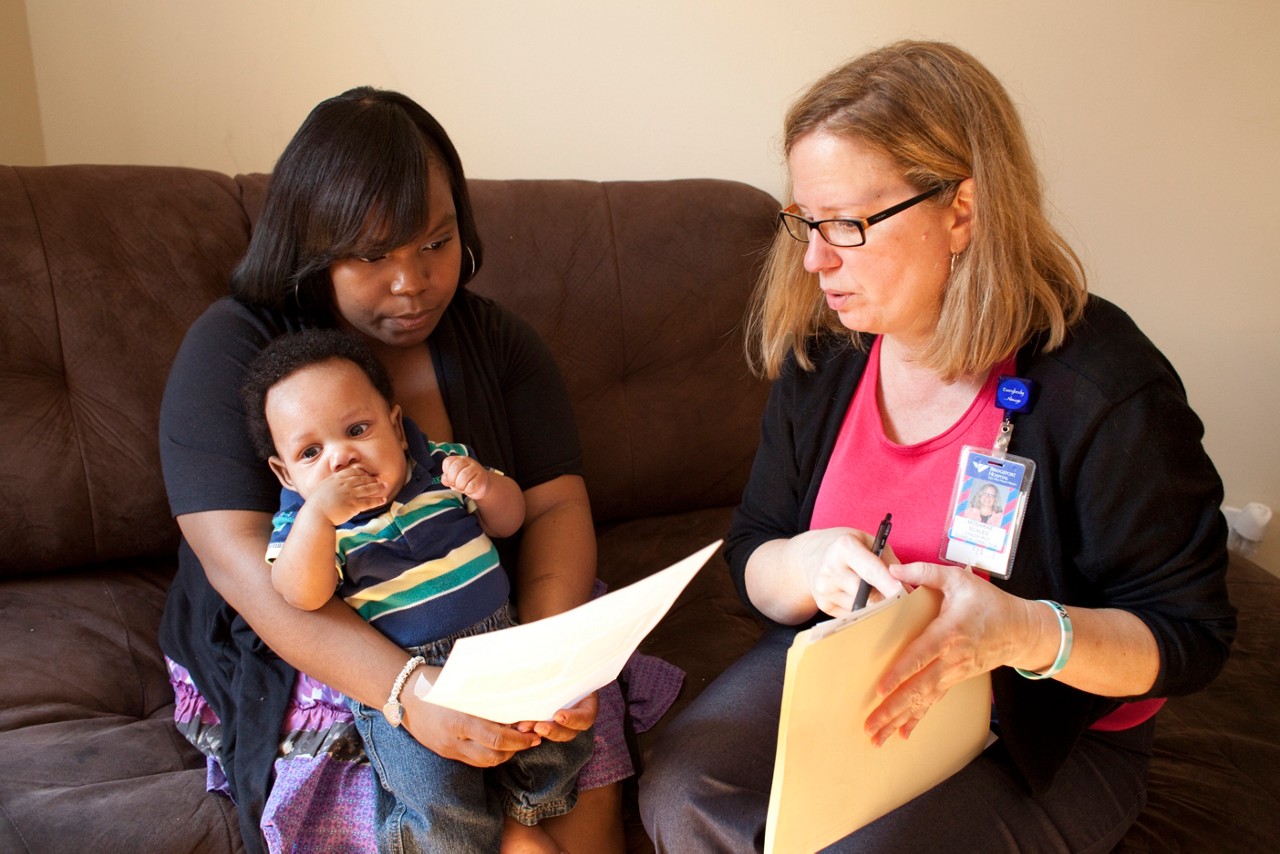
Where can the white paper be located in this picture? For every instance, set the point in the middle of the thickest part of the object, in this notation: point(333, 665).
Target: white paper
point(531, 671)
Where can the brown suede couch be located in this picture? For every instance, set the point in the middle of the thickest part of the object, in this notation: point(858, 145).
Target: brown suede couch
point(639, 288)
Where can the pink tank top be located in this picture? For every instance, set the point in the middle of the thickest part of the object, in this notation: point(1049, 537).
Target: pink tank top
point(869, 475)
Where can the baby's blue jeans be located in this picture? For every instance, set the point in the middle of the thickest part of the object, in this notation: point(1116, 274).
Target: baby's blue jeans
point(425, 802)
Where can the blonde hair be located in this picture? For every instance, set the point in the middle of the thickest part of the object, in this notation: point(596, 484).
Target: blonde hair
point(942, 117)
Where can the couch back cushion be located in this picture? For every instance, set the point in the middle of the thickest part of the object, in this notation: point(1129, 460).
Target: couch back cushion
point(639, 288)
point(102, 268)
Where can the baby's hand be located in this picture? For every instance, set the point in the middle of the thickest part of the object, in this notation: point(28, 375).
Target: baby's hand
point(466, 475)
point(345, 493)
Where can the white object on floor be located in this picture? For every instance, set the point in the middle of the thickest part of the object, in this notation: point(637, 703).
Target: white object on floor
point(1247, 524)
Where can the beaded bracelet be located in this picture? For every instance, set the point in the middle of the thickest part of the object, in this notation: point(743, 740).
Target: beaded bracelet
point(1064, 646)
point(393, 711)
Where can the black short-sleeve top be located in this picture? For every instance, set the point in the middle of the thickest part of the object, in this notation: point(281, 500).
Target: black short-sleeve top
point(503, 392)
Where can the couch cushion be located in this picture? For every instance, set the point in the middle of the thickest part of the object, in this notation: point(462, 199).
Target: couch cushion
point(647, 329)
point(708, 627)
point(1215, 772)
point(101, 271)
point(89, 755)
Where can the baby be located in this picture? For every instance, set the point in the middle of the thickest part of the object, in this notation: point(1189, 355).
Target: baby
point(400, 528)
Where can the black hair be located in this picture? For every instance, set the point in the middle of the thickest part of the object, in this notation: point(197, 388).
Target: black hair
point(351, 183)
point(291, 353)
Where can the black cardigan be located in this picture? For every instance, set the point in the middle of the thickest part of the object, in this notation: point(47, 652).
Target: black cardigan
point(1124, 512)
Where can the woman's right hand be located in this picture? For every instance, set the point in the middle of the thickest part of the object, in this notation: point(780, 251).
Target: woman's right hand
point(841, 559)
point(457, 735)
point(816, 571)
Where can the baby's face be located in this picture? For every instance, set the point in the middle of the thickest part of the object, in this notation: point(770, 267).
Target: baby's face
point(329, 417)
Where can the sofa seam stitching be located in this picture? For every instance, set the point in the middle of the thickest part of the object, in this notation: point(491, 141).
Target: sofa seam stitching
point(623, 336)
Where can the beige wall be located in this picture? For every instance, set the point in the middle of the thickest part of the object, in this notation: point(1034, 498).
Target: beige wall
point(21, 141)
point(1156, 122)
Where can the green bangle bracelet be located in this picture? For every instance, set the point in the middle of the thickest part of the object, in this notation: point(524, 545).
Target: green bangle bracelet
point(1064, 646)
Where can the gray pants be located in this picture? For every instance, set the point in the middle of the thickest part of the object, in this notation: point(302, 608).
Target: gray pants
point(706, 782)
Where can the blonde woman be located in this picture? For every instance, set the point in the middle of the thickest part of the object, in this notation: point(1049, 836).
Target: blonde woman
point(913, 266)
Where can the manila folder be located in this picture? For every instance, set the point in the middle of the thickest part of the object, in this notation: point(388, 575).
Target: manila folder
point(828, 779)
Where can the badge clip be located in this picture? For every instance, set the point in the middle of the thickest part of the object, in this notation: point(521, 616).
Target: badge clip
point(1013, 394)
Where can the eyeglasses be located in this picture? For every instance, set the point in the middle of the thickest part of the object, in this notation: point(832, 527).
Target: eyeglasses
point(847, 231)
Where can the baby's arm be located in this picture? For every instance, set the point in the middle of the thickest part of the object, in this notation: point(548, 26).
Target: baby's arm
point(305, 572)
point(499, 499)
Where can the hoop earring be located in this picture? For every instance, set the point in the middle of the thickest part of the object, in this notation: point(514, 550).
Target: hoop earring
point(474, 267)
point(953, 266)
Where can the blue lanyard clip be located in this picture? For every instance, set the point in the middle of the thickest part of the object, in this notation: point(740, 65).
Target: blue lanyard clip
point(1013, 394)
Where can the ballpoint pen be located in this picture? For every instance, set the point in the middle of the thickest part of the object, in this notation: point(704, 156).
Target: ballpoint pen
point(882, 537)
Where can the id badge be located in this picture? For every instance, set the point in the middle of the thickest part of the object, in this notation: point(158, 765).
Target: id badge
point(987, 506)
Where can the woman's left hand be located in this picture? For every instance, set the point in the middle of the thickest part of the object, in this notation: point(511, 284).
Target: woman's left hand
point(974, 632)
point(566, 723)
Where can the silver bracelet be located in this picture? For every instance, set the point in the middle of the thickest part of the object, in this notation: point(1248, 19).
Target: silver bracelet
point(393, 711)
point(1064, 645)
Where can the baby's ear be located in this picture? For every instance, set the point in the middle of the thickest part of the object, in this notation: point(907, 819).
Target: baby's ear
point(397, 422)
point(282, 473)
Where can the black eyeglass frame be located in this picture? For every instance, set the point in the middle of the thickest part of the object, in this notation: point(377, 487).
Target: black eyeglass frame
point(789, 215)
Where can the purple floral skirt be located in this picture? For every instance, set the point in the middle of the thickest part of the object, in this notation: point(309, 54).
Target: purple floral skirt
point(322, 798)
